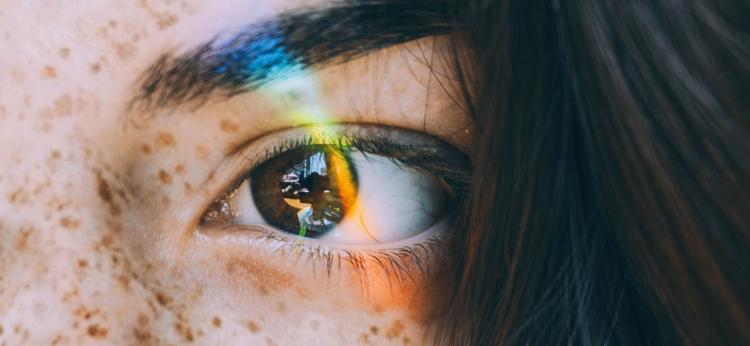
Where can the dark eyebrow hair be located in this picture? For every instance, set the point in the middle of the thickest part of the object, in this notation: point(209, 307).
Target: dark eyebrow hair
point(285, 45)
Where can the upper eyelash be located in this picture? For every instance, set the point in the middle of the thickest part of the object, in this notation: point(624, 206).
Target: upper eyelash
point(415, 156)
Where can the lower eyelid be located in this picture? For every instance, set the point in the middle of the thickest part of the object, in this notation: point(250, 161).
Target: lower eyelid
point(404, 263)
point(251, 235)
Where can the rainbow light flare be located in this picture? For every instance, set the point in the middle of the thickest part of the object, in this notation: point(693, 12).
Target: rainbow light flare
point(295, 90)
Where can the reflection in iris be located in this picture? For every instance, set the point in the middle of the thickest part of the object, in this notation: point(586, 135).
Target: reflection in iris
point(315, 191)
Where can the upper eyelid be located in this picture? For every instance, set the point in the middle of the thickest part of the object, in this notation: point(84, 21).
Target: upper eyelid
point(239, 163)
point(346, 138)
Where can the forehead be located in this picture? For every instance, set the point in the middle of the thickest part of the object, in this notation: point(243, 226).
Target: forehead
point(82, 59)
point(80, 46)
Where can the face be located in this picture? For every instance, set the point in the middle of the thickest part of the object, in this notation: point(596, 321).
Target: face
point(277, 199)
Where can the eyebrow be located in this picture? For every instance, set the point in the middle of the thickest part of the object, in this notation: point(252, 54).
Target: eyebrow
point(285, 45)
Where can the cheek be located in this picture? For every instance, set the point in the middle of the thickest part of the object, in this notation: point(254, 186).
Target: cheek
point(66, 275)
point(63, 275)
point(259, 297)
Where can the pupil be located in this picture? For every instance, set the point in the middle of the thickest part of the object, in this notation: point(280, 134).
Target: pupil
point(312, 191)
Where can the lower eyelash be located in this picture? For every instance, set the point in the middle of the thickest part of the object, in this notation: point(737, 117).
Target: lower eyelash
point(403, 265)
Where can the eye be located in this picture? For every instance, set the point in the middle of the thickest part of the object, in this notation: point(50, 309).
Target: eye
point(348, 190)
point(308, 192)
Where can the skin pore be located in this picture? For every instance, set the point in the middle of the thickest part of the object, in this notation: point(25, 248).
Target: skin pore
point(101, 203)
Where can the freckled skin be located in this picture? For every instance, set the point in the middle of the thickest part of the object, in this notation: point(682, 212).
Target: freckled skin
point(97, 213)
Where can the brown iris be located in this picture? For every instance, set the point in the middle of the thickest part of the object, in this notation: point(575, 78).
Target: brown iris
point(305, 191)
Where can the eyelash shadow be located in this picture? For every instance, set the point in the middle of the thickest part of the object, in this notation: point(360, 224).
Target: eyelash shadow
point(409, 264)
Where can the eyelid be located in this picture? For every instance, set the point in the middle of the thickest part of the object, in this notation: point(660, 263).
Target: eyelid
point(404, 147)
point(406, 261)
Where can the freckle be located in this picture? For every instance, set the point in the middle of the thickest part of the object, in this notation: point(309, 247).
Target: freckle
point(146, 149)
point(364, 339)
point(142, 319)
point(49, 72)
point(165, 139)
point(19, 196)
point(124, 51)
point(113, 24)
point(64, 52)
point(280, 307)
point(63, 105)
point(217, 322)
point(124, 281)
point(107, 240)
point(303, 292)
point(23, 238)
point(186, 332)
point(314, 325)
point(394, 330)
point(69, 223)
point(406, 341)
point(105, 193)
point(165, 177)
point(95, 67)
point(166, 20)
point(201, 152)
point(252, 327)
point(374, 330)
point(143, 336)
point(188, 188)
point(82, 263)
point(162, 298)
point(228, 126)
point(96, 331)
point(180, 168)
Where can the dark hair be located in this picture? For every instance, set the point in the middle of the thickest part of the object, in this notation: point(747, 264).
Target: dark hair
point(611, 197)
